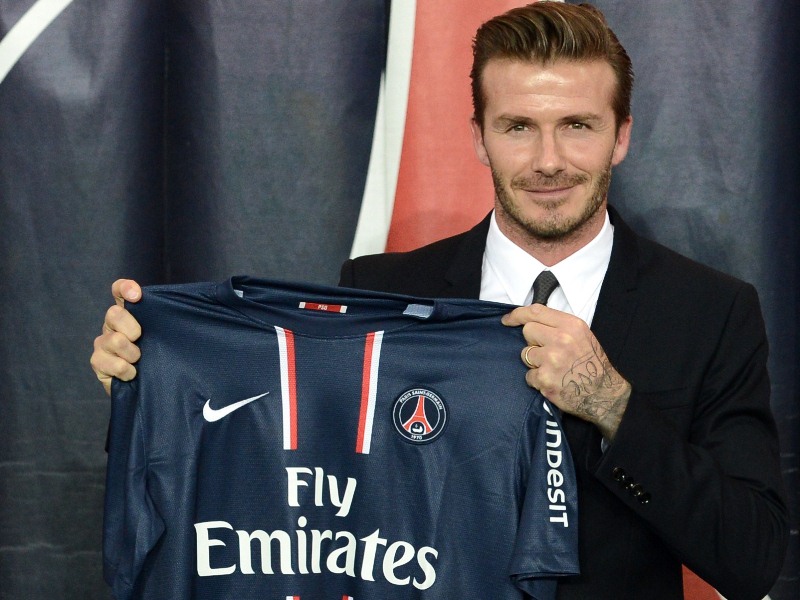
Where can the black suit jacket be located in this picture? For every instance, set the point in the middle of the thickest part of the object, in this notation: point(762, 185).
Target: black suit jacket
point(693, 474)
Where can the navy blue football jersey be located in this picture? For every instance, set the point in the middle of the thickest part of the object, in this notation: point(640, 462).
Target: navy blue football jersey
point(287, 441)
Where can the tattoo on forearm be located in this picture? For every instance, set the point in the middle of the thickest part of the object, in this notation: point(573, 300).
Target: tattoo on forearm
point(595, 390)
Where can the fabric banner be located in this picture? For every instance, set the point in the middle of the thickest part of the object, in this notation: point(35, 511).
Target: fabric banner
point(171, 141)
point(80, 153)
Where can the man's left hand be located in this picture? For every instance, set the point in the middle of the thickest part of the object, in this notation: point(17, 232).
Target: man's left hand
point(569, 367)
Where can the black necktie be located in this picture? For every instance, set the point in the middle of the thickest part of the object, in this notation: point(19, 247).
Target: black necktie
point(544, 285)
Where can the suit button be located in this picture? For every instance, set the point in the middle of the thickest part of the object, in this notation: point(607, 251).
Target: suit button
point(619, 474)
point(644, 498)
point(630, 484)
point(637, 490)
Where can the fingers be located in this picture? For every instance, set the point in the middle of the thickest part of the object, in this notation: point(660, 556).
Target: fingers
point(527, 358)
point(119, 320)
point(535, 313)
point(540, 359)
point(114, 349)
point(540, 375)
point(106, 364)
point(126, 290)
point(120, 331)
point(521, 315)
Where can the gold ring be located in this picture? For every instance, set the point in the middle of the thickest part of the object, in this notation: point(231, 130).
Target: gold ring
point(526, 359)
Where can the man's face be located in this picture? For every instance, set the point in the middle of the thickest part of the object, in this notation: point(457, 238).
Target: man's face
point(550, 137)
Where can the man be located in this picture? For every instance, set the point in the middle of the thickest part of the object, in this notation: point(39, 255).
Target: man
point(659, 363)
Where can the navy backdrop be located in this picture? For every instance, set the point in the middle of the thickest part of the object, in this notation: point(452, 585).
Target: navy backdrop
point(177, 140)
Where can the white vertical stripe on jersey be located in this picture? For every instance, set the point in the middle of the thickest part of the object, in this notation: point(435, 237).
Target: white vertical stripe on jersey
point(286, 396)
point(375, 360)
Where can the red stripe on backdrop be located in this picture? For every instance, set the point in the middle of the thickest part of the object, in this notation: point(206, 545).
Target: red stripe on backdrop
point(442, 189)
point(695, 588)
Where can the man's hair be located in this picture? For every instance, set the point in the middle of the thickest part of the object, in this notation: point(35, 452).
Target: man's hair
point(547, 31)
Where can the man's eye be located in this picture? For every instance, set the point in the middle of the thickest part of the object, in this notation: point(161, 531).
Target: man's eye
point(577, 126)
point(518, 127)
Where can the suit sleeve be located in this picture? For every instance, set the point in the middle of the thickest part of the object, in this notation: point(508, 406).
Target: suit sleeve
point(716, 499)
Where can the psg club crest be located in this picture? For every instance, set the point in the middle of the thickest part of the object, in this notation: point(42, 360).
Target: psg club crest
point(419, 415)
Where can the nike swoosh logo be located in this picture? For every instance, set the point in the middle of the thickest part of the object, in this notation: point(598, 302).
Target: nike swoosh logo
point(211, 415)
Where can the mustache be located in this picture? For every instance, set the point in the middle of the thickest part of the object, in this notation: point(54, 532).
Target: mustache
point(548, 181)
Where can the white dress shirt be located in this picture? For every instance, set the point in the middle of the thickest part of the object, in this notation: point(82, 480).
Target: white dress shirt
point(508, 272)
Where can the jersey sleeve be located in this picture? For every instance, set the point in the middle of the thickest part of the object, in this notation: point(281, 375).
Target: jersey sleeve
point(546, 546)
point(131, 526)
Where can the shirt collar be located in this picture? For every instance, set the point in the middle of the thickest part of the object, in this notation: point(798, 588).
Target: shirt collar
point(579, 275)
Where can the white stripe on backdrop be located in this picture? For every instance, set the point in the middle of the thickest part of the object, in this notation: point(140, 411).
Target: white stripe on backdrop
point(387, 140)
point(25, 32)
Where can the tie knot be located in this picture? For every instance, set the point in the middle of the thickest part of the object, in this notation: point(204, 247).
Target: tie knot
point(543, 286)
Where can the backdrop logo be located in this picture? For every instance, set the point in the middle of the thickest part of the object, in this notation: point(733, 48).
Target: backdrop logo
point(419, 415)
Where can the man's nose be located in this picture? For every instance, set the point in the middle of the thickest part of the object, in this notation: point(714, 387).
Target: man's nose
point(548, 157)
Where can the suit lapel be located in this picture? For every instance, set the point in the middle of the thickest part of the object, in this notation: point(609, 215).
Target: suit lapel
point(617, 302)
point(611, 323)
point(463, 276)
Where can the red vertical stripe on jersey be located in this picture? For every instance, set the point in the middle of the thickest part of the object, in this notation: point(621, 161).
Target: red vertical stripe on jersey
point(288, 387)
point(442, 188)
point(292, 376)
point(369, 386)
point(365, 378)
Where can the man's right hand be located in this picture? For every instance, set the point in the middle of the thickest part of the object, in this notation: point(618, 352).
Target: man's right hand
point(114, 350)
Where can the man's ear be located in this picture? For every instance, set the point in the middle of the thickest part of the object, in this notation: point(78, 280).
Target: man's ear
point(623, 141)
point(477, 142)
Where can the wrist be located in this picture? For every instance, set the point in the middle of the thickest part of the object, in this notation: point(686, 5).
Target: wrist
point(609, 421)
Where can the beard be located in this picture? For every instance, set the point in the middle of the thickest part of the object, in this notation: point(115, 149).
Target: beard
point(554, 226)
